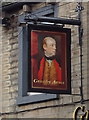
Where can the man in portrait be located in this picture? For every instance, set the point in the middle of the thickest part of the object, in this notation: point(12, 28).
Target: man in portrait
point(49, 72)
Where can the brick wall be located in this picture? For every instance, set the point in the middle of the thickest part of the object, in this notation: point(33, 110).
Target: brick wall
point(87, 53)
point(9, 72)
point(9, 67)
point(0, 68)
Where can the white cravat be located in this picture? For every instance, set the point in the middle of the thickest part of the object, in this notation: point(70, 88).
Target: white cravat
point(49, 61)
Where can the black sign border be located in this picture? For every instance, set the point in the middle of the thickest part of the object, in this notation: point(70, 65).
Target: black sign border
point(53, 28)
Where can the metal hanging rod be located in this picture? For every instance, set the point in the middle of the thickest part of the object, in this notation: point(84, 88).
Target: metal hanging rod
point(53, 20)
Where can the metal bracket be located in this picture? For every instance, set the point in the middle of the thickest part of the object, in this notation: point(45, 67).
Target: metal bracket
point(79, 8)
point(52, 20)
point(36, 19)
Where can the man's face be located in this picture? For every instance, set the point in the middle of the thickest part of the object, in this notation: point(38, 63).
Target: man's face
point(50, 48)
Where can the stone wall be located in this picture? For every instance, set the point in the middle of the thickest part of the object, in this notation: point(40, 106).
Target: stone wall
point(87, 53)
point(0, 69)
point(62, 108)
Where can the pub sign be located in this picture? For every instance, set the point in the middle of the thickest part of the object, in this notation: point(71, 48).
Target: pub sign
point(49, 59)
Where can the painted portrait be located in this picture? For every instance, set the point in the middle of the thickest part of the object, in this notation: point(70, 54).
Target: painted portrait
point(49, 65)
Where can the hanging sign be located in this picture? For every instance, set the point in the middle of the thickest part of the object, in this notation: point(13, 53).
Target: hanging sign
point(49, 56)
